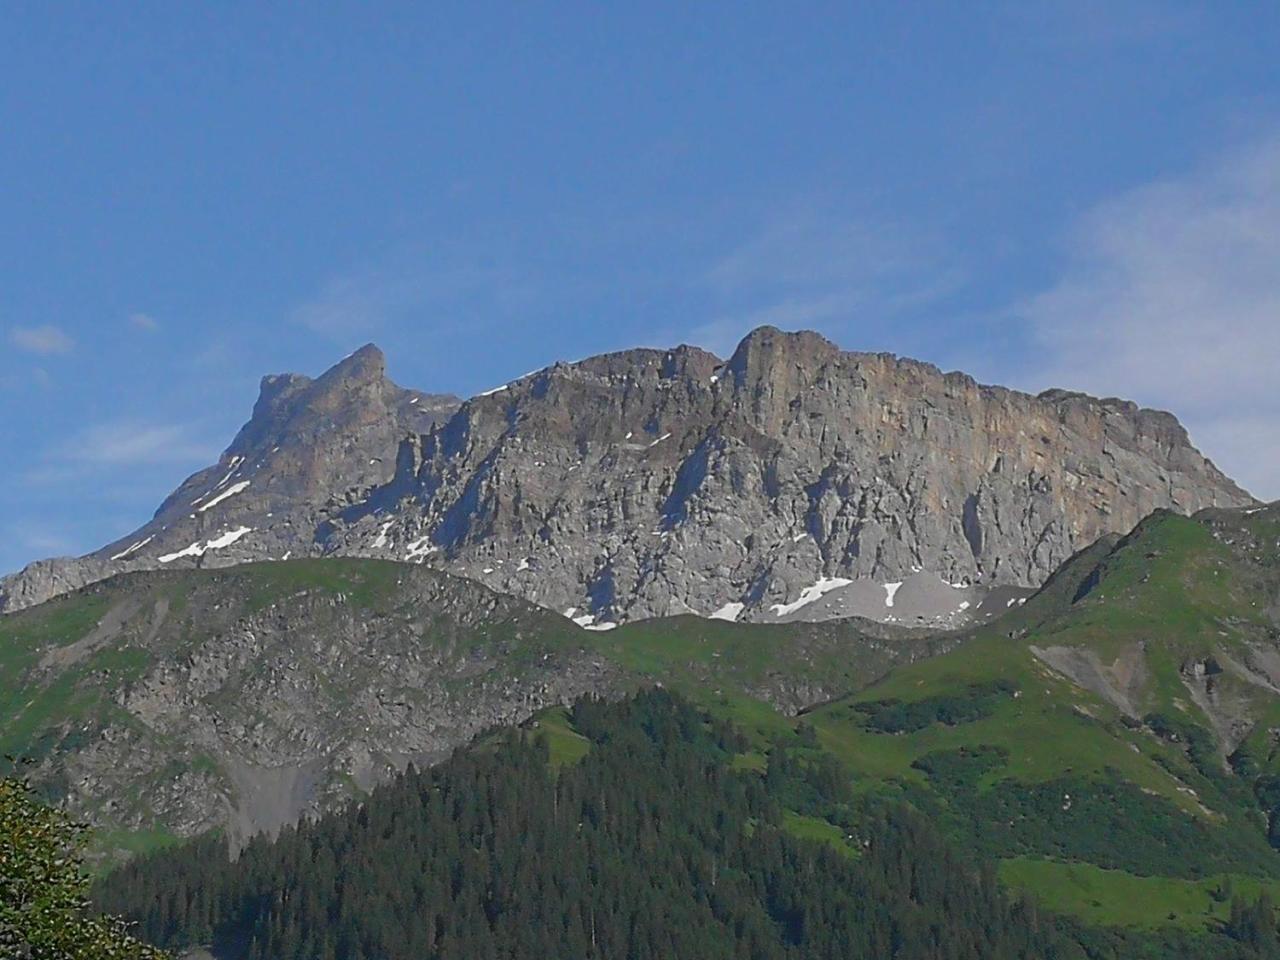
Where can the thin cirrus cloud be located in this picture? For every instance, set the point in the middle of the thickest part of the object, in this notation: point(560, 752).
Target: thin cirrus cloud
point(45, 340)
point(1171, 295)
point(852, 277)
point(362, 302)
point(722, 334)
point(130, 443)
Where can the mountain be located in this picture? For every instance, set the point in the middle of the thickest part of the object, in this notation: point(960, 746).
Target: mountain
point(792, 481)
point(309, 444)
point(1110, 744)
point(653, 843)
point(169, 703)
point(664, 834)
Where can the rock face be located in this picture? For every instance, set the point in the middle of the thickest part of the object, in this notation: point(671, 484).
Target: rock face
point(242, 699)
point(310, 446)
point(793, 480)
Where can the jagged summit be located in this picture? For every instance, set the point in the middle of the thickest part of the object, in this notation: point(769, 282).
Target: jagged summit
point(793, 480)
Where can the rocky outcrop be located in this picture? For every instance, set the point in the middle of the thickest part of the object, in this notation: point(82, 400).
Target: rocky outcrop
point(242, 699)
point(246, 699)
point(794, 480)
point(309, 447)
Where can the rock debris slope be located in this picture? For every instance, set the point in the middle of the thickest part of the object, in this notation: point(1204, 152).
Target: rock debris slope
point(178, 701)
point(792, 481)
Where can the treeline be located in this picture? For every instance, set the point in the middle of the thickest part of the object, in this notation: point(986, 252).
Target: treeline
point(651, 847)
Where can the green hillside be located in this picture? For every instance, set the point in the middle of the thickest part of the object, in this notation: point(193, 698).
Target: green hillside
point(652, 844)
point(1113, 740)
point(1113, 744)
point(162, 705)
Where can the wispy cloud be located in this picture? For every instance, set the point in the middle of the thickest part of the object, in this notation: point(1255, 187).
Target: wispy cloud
point(43, 340)
point(144, 322)
point(360, 303)
point(134, 443)
point(1090, 24)
point(815, 269)
point(1172, 296)
point(722, 334)
point(47, 543)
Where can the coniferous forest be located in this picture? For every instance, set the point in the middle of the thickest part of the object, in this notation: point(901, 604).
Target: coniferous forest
point(654, 845)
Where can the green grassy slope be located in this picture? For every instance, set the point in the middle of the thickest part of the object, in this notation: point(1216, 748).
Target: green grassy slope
point(1114, 742)
point(159, 704)
point(1121, 770)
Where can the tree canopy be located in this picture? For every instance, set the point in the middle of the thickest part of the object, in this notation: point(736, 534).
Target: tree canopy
point(44, 888)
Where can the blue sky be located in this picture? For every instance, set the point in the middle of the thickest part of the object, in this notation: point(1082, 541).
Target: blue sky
point(1079, 194)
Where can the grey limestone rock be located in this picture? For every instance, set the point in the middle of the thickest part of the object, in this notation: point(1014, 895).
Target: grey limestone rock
point(655, 482)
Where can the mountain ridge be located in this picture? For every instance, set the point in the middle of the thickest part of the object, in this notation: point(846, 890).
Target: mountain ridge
point(164, 703)
point(793, 479)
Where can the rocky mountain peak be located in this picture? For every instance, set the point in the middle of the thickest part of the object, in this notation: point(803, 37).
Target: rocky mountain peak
point(794, 480)
point(367, 363)
point(767, 352)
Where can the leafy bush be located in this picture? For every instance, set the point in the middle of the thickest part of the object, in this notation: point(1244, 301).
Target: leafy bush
point(971, 703)
point(43, 888)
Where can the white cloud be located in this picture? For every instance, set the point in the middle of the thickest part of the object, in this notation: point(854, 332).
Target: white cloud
point(808, 249)
point(723, 334)
point(43, 340)
point(132, 443)
point(359, 304)
point(1172, 297)
point(50, 543)
point(815, 269)
point(144, 321)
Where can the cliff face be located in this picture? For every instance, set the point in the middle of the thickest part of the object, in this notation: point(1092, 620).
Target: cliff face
point(309, 446)
point(794, 480)
point(243, 699)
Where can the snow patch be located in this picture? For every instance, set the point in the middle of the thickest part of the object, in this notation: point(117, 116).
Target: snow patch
point(133, 548)
point(890, 589)
point(419, 550)
point(198, 549)
point(607, 625)
point(195, 550)
point(524, 564)
point(234, 465)
point(810, 594)
point(227, 539)
point(490, 393)
point(231, 491)
point(660, 439)
point(730, 611)
point(381, 539)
